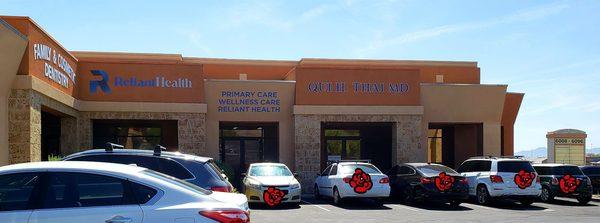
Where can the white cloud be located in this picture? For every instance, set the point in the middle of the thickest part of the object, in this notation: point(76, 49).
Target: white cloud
point(528, 15)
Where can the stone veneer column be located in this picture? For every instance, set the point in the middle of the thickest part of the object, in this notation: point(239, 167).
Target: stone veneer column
point(25, 127)
point(307, 149)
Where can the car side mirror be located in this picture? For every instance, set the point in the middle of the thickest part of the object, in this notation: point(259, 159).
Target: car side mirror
point(296, 175)
point(243, 174)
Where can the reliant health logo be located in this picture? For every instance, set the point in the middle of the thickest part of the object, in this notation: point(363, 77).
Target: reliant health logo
point(133, 81)
point(102, 83)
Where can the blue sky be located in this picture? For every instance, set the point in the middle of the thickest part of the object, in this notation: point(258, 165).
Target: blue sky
point(550, 50)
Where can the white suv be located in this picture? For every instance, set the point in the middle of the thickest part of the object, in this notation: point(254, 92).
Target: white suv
point(500, 177)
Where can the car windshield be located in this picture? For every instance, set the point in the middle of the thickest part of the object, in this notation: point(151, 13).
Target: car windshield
point(178, 182)
point(435, 169)
point(566, 170)
point(367, 168)
point(270, 171)
point(514, 166)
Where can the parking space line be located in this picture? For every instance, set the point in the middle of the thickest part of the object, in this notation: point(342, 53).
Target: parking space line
point(316, 205)
point(473, 206)
point(406, 207)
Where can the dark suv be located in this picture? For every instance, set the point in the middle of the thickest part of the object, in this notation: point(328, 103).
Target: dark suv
point(200, 171)
point(563, 180)
point(593, 172)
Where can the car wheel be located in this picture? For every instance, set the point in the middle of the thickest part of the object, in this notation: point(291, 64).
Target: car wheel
point(546, 195)
point(409, 197)
point(316, 192)
point(337, 200)
point(455, 204)
point(483, 197)
point(584, 200)
point(526, 202)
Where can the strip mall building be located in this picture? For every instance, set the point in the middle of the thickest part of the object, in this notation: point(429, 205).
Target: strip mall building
point(301, 113)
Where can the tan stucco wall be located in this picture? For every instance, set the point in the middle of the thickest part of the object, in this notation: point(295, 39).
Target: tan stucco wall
point(462, 103)
point(285, 91)
point(12, 45)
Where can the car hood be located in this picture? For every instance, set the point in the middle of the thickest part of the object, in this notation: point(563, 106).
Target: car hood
point(232, 198)
point(275, 181)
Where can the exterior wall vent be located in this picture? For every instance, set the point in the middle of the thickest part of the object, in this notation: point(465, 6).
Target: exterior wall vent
point(439, 78)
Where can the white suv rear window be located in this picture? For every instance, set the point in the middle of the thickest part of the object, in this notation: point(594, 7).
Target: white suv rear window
point(514, 166)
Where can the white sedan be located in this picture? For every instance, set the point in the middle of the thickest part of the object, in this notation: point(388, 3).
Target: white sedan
point(75, 192)
point(352, 180)
point(271, 183)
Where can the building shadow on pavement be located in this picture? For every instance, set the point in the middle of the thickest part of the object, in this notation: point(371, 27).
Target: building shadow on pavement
point(284, 206)
point(513, 205)
point(433, 206)
point(569, 202)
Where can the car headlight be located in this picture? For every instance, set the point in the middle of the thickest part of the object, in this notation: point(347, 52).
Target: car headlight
point(253, 185)
point(294, 186)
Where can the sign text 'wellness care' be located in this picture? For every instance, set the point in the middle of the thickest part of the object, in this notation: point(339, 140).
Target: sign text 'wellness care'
point(249, 101)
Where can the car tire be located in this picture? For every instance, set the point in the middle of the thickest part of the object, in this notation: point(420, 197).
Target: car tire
point(546, 195)
point(482, 195)
point(526, 202)
point(455, 204)
point(316, 193)
point(584, 200)
point(378, 202)
point(408, 195)
point(337, 200)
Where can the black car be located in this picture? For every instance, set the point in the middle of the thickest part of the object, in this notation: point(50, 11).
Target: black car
point(593, 172)
point(200, 171)
point(412, 182)
point(563, 180)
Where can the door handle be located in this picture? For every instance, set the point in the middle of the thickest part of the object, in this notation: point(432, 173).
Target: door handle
point(118, 219)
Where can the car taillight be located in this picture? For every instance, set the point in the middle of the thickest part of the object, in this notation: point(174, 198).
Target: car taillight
point(496, 179)
point(227, 216)
point(220, 188)
point(464, 181)
point(554, 181)
point(426, 180)
point(384, 180)
point(347, 179)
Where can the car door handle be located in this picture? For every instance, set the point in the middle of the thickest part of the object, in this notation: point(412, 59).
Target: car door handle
point(118, 219)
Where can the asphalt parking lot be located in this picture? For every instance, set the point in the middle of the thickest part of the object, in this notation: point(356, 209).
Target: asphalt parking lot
point(361, 211)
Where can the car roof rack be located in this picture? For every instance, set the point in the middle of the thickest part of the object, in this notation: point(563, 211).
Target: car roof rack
point(158, 150)
point(112, 146)
point(496, 157)
point(349, 161)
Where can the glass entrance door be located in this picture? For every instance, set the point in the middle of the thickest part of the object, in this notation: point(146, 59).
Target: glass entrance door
point(239, 153)
point(343, 149)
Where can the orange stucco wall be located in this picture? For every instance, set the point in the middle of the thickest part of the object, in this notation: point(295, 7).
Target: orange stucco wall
point(512, 103)
point(31, 66)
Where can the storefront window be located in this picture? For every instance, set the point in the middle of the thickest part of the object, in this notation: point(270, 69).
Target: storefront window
point(434, 144)
point(135, 134)
point(342, 144)
point(341, 132)
point(138, 137)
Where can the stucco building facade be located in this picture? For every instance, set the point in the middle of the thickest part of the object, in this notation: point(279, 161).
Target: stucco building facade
point(302, 113)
